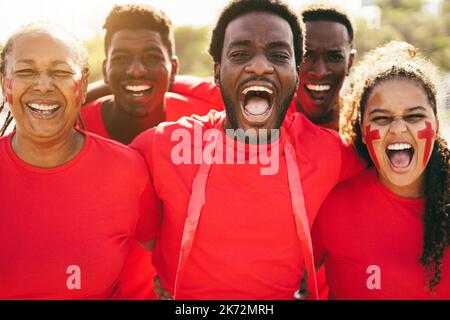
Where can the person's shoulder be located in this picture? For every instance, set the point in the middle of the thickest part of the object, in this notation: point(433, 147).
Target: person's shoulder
point(350, 191)
point(95, 104)
point(4, 142)
point(210, 120)
point(202, 88)
point(312, 142)
point(346, 200)
point(111, 149)
point(4, 139)
point(354, 185)
point(298, 124)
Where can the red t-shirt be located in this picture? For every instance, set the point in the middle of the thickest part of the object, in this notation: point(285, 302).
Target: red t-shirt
point(373, 240)
point(199, 88)
point(59, 240)
point(137, 276)
point(176, 106)
point(205, 89)
point(246, 246)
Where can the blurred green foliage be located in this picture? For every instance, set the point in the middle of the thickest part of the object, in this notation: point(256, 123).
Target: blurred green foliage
point(192, 51)
point(405, 20)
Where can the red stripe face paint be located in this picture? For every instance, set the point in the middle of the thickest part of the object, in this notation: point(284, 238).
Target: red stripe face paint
point(9, 85)
point(428, 133)
point(370, 137)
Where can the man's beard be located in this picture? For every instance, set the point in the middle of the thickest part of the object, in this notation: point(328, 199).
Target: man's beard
point(231, 111)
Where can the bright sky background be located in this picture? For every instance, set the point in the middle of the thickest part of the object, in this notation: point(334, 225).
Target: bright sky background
point(85, 18)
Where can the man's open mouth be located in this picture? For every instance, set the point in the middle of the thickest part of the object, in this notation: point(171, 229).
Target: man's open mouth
point(400, 155)
point(138, 90)
point(42, 109)
point(318, 92)
point(257, 102)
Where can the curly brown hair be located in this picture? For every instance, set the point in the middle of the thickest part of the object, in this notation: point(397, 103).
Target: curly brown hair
point(400, 60)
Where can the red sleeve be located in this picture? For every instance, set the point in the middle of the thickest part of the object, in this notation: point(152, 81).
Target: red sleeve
point(150, 211)
point(351, 162)
point(201, 88)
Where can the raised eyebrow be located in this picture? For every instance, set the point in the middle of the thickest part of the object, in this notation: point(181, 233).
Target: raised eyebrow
point(279, 44)
point(54, 63)
point(418, 108)
point(238, 43)
point(335, 50)
point(378, 111)
point(27, 61)
point(156, 49)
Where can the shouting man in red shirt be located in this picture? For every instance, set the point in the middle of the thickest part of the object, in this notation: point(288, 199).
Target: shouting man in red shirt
point(231, 229)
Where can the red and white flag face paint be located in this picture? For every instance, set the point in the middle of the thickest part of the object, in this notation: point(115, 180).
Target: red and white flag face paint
point(399, 129)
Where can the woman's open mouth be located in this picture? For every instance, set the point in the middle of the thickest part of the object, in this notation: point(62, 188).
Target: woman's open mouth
point(43, 111)
point(400, 156)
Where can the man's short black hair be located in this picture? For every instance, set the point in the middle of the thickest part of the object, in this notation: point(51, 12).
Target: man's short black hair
point(240, 7)
point(328, 12)
point(139, 16)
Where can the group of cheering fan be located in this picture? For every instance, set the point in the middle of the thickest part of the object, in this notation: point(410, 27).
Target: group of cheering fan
point(94, 205)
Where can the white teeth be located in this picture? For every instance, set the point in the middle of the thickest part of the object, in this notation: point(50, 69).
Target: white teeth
point(318, 87)
point(399, 146)
point(138, 88)
point(44, 107)
point(257, 88)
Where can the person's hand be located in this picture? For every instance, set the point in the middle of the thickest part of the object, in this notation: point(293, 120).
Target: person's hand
point(160, 291)
point(302, 292)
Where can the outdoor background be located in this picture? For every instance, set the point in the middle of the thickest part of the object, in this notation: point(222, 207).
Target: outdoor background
point(423, 23)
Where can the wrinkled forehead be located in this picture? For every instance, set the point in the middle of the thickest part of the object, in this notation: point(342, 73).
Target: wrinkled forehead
point(258, 28)
point(41, 46)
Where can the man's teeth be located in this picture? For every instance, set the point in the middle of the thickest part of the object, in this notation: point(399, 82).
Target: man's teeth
point(318, 87)
point(399, 146)
point(43, 107)
point(257, 88)
point(138, 88)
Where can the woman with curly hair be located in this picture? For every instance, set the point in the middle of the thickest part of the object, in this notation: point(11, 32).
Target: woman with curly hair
point(385, 233)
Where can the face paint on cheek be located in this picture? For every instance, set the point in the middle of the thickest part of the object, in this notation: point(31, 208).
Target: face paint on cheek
point(370, 137)
point(428, 133)
point(9, 85)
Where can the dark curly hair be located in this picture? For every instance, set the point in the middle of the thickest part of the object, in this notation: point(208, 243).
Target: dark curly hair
point(238, 8)
point(77, 46)
point(400, 60)
point(329, 12)
point(139, 16)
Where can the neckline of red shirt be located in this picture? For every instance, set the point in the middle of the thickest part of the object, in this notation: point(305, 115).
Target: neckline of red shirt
point(374, 177)
point(13, 156)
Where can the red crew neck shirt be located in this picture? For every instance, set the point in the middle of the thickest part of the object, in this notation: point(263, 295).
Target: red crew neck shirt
point(372, 240)
point(65, 232)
